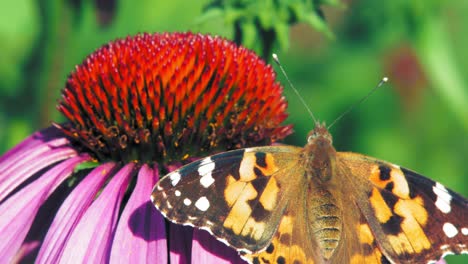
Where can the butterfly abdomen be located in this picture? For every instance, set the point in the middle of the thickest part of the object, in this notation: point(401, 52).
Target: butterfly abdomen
point(324, 221)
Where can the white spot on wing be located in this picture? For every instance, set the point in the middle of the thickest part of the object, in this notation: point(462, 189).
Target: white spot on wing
point(206, 228)
point(444, 247)
point(206, 168)
point(450, 230)
point(177, 193)
point(443, 198)
point(464, 231)
point(202, 204)
point(462, 248)
point(175, 178)
point(187, 201)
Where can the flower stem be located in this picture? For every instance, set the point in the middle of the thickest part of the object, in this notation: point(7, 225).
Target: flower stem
point(433, 45)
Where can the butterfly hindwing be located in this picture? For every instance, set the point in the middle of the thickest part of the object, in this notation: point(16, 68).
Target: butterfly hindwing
point(237, 195)
point(292, 242)
point(414, 219)
point(370, 252)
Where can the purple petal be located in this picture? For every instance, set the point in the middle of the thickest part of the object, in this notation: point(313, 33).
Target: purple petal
point(91, 239)
point(51, 135)
point(141, 234)
point(180, 237)
point(206, 249)
point(18, 211)
point(34, 146)
point(180, 243)
point(18, 168)
point(71, 212)
point(26, 249)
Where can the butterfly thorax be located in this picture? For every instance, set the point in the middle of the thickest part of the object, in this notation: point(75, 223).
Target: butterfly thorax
point(319, 155)
point(325, 219)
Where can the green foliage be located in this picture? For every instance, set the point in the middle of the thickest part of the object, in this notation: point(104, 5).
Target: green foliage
point(260, 25)
point(334, 54)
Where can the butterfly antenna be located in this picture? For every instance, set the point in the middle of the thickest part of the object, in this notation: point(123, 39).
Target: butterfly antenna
point(384, 80)
point(276, 59)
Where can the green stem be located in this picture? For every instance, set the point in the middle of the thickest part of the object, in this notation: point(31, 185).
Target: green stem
point(433, 45)
point(56, 35)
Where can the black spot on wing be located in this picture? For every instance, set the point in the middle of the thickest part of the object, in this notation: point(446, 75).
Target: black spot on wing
point(259, 184)
point(255, 260)
point(393, 225)
point(259, 213)
point(367, 249)
point(389, 187)
point(390, 198)
point(258, 173)
point(384, 172)
point(281, 260)
point(270, 248)
point(230, 160)
point(261, 159)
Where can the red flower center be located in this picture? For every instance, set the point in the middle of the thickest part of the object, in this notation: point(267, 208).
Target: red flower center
point(164, 97)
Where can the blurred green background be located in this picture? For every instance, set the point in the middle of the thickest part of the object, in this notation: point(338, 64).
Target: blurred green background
point(334, 52)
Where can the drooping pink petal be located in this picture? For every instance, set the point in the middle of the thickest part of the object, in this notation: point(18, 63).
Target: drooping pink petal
point(206, 249)
point(26, 249)
point(34, 146)
point(141, 232)
point(18, 211)
point(50, 136)
point(21, 171)
point(180, 237)
point(180, 243)
point(91, 239)
point(71, 212)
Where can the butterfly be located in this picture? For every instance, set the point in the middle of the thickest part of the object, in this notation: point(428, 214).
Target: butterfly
point(286, 204)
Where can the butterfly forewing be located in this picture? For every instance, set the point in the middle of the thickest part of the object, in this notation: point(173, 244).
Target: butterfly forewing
point(238, 196)
point(414, 219)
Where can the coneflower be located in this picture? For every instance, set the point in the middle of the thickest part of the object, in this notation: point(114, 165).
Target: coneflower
point(136, 108)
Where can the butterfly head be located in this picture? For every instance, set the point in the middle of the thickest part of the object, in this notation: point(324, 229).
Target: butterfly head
point(319, 154)
point(319, 135)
